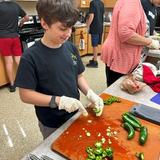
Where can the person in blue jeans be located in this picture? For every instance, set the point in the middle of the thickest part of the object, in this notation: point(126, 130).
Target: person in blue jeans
point(95, 28)
point(50, 73)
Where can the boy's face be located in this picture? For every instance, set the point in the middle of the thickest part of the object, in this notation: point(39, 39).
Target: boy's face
point(57, 33)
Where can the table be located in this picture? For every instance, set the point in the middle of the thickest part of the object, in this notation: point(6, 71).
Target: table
point(142, 97)
point(153, 56)
point(154, 53)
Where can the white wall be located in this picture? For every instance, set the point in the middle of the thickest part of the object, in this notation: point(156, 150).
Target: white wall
point(29, 7)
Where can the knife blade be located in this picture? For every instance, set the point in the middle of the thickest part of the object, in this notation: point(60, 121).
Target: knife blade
point(146, 112)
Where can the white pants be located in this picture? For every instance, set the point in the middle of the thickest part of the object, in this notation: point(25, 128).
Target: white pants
point(46, 131)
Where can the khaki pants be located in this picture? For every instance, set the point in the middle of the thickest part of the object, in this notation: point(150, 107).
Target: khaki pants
point(46, 131)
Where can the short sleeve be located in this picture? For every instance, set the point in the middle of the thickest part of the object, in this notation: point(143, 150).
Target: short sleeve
point(91, 8)
point(22, 13)
point(129, 19)
point(26, 75)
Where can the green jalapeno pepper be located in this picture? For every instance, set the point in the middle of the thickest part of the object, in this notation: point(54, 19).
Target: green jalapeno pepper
point(109, 152)
point(89, 149)
point(98, 144)
point(96, 110)
point(132, 117)
point(130, 129)
point(99, 158)
point(104, 154)
point(130, 121)
point(140, 156)
point(91, 156)
point(143, 135)
point(110, 100)
point(98, 151)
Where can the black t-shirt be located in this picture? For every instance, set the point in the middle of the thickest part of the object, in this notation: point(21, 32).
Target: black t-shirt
point(151, 13)
point(51, 72)
point(97, 8)
point(9, 14)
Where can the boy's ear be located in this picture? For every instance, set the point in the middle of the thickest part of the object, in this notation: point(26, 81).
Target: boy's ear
point(44, 24)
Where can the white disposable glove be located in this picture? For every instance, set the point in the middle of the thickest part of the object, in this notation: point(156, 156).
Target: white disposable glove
point(154, 44)
point(71, 104)
point(96, 100)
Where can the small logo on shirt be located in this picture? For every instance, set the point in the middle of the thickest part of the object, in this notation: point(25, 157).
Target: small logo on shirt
point(74, 59)
point(151, 14)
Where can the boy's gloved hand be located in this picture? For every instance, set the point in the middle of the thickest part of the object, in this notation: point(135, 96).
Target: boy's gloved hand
point(96, 100)
point(154, 44)
point(71, 104)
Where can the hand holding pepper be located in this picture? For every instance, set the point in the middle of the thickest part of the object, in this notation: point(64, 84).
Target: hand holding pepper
point(97, 101)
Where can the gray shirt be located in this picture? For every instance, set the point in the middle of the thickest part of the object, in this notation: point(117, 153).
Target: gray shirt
point(9, 14)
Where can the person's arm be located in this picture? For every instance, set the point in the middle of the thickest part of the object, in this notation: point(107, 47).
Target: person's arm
point(137, 39)
point(92, 96)
point(32, 97)
point(140, 40)
point(82, 84)
point(90, 19)
point(67, 103)
point(24, 19)
point(127, 26)
point(91, 14)
point(128, 21)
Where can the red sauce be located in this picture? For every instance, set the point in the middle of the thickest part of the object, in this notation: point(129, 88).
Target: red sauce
point(73, 142)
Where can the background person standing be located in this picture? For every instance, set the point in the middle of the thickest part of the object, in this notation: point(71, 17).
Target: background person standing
point(10, 46)
point(95, 27)
point(121, 51)
point(150, 9)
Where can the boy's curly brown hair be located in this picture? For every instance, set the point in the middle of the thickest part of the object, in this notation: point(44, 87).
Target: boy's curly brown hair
point(52, 11)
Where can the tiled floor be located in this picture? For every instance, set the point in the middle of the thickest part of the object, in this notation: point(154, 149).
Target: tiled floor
point(19, 132)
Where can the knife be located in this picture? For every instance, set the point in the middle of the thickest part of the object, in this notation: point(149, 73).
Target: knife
point(146, 112)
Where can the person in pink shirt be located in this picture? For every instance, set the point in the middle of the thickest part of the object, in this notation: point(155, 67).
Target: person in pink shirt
point(121, 51)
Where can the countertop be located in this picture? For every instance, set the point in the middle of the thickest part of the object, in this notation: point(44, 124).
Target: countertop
point(142, 97)
point(154, 53)
point(79, 25)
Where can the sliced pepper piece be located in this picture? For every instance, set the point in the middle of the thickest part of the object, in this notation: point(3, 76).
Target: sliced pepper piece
point(140, 156)
point(98, 151)
point(98, 157)
point(98, 144)
point(89, 149)
point(110, 100)
point(109, 152)
point(91, 156)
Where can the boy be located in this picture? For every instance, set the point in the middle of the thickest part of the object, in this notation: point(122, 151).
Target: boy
point(50, 72)
point(95, 26)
